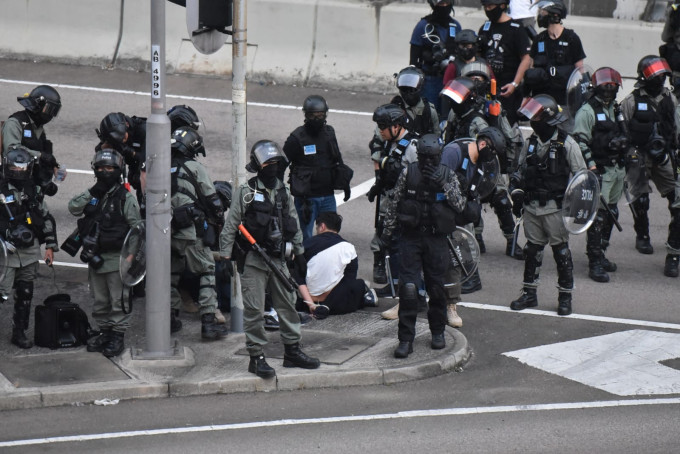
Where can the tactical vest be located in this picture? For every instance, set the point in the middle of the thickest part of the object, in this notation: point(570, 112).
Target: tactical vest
point(556, 64)
point(423, 209)
point(110, 215)
point(313, 170)
point(418, 124)
point(431, 67)
point(264, 219)
point(28, 136)
point(461, 128)
point(602, 134)
point(24, 212)
point(541, 183)
point(391, 169)
point(646, 114)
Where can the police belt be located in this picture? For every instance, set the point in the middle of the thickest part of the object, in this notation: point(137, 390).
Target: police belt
point(544, 196)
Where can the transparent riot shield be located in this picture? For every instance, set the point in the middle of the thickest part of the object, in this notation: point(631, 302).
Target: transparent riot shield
point(464, 253)
point(578, 89)
point(580, 202)
point(4, 251)
point(485, 176)
point(133, 256)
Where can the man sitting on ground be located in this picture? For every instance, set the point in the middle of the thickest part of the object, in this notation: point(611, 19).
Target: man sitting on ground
point(331, 285)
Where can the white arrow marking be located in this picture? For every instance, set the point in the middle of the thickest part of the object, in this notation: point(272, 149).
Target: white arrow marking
point(625, 363)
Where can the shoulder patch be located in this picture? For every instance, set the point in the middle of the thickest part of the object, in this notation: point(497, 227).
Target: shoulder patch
point(486, 26)
point(514, 24)
point(404, 143)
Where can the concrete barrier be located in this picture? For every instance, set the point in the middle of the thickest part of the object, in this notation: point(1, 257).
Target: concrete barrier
point(342, 43)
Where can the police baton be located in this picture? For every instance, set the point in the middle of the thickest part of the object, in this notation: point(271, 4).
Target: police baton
point(610, 214)
point(388, 271)
point(515, 235)
point(287, 281)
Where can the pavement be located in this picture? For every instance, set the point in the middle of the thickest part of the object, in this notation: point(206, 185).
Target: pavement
point(354, 349)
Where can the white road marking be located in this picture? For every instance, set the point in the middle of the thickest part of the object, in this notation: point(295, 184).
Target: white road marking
point(624, 363)
point(342, 419)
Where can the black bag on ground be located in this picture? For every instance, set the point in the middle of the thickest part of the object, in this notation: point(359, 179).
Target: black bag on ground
point(59, 323)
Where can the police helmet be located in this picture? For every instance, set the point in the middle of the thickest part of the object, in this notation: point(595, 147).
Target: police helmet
point(223, 189)
point(410, 78)
point(112, 128)
point(187, 142)
point(182, 115)
point(606, 75)
point(43, 102)
point(434, 3)
point(389, 115)
point(542, 108)
point(264, 151)
point(651, 66)
point(459, 90)
point(494, 137)
point(495, 2)
point(17, 163)
point(430, 145)
point(314, 103)
point(466, 36)
point(108, 157)
point(477, 69)
point(556, 9)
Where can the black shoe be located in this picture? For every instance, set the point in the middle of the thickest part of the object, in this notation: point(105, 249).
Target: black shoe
point(438, 341)
point(643, 245)
point(527, 299)
point(379, 273)
point(304, 318)
point(386, 291)
point(294, 357)
point(271, 323)
point(175, 322)
point(471, 285)
point(608, 266)
point(115, 345)
point(210, 329)
point(596, 271)
point(96, 343)
point(370, 298)
point(564, 304)
point(480, 242)
point(403, 349)
point(19, 338)
point(671, 267)
point(519, 254)
point(258, 366)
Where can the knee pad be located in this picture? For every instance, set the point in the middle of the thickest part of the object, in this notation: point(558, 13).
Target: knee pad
point(532, 250)
point(408, 291)
point(562, 255)
point(641, 205)
point(500, 199)
point(23, 290)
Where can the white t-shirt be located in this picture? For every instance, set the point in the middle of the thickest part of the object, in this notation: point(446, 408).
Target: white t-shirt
point(519, 9)
point(327, 268)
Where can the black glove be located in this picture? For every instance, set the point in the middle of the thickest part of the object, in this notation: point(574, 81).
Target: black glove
point(486, 154)
point(517, 197)
point(374, 191)
point(436, 174)
point(128, 153)
point(99, 189)
point(301, 266)
point(348, 194)
point(47, 161)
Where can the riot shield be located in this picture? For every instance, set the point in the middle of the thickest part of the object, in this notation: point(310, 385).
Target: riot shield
point(3, 258)
point(580, 202)
point(464, 253)
point(485, 176)
point(578, 89)
point(133, 256)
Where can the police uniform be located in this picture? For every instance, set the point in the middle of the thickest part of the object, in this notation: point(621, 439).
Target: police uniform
point(641, 112)
point(423, 117)
point(255, 207)
point(115, 213)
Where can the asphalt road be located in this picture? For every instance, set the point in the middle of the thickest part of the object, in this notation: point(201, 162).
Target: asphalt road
point(494, 404)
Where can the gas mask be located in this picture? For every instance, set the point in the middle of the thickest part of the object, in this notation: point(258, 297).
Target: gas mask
point(109, 178)
point(466, 53)
point(607, 92)
point(654, 86)
point(543, 130)
point(314, 124)
point(410, 95)
point(268, 175)
point(542, 20)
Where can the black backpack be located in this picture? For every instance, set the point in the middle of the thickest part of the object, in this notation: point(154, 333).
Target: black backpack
point(60, 323)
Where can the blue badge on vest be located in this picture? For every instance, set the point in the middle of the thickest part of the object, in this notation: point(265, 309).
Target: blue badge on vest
point(541, 46)
point(27, 133)
point(404, 142)
point(531, 149)
point(9, 199)
point(642, 106)
point(601, 117)
point(452, 31)
point(173, 169)
point(486, 26)
point(94, 201)
point(310, 149)
point(465, 164)
point(441, 197)
point(259, 197)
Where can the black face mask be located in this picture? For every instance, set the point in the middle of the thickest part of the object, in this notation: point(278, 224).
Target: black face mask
point(108, 178)
point(314, 125)
point(268, 175)
point(428, 160)
point(607, 93)
point(466, 53)
point(494, 14)
point(410, 96)
point(543, 130)
point(543, 21)
point(440, 14)
point(654, 86)
point(460, 109)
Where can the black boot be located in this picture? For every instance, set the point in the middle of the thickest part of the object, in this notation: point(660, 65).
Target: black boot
point(115, 344)
point(640, 207)
point(403, 349)
point(210, 329)
point(294, 357)
point(527, 299)
point(480, 241)
point(22, 311)
point(596, 271)
point(671, 267)
point(564, 303)
point(643, 245)
point(96, 343)
point(607, 228)
point(379, 273)
point(608, 265)
point(594, 249)
point(258, 366)
point(438, 341)
point(175, 322)
point(471, 285)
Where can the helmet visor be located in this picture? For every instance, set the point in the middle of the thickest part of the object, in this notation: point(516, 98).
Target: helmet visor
point(107, 157)
point(543, 4)
point(51, 109)
point(655, 68)
point(606, 76)
point(268, 151)
point(408, 80)
point(456, 91)
point(532, 110)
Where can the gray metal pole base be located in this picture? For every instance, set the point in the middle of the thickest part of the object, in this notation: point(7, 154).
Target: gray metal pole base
point(178, 356)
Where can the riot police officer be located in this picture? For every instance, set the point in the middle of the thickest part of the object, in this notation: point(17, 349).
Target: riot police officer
point(601, 134)
point(265, 207)
point(555, 52)
point(422, 115)
point(426, 198)
point(399, 149)
point(126, 135)
point(183, 115)
point(25, 224)
point(463, 51)
point(26, 128)
point(314, 155)
point(538, 187)
point(429, 46)
point(650, 112)
point(504, 44)
point(466, 117)
point(109, 212)
point(197, 220)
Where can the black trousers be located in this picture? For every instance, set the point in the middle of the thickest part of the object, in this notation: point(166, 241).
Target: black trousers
point(346, 297)
point(427, 254)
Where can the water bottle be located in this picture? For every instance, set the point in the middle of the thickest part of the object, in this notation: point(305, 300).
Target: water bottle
point(60, 175)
